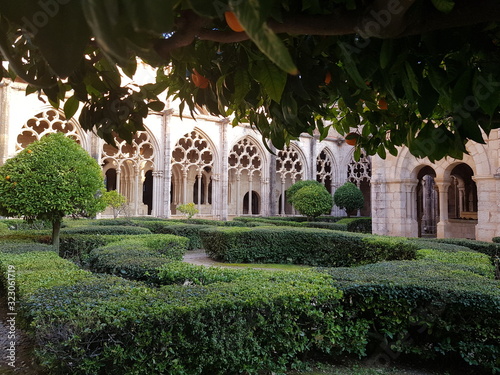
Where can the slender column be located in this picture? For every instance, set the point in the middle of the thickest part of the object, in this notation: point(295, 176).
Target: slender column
point(118, 180)
point(157, 193)
point(282, 196)
point(222, 190)
point(238, 192)
point(137, 181)
point(164, 193)
point(4, 120)
point(200, 186)
point(442, 186)
point(250, 177)
point(271, 177)
point(184, 184)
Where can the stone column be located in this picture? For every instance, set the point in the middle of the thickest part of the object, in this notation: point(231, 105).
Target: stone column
point(273, 207)
point(157, 194)
point(223, 188)
point(313, 169)
point(166, 183)
point(488, 205)
point(442, 225)
point(4, 120)
point(137, 181)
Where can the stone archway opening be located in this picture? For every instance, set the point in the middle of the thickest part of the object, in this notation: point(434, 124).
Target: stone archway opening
point(253, 201)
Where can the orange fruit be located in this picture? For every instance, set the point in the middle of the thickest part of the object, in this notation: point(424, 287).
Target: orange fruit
point(29, 151)
point(351, 139)
point(382, 104)
point(233, 22)
point(328, 77)
point(199, 80)
point(7, 177)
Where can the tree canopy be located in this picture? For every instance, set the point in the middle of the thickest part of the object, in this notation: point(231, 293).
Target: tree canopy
point(51, 178)
point(420, 73)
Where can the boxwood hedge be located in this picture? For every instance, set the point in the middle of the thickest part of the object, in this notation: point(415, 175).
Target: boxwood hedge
point(138, 258)
point(316, 247)
point(106, 230)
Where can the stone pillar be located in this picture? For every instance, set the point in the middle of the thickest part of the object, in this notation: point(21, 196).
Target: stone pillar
point(238, 192)
point(137, 182)
point(250, 187)
point(4, 121)
point(313, 169)
point(166, 182)
point(488, 205)
point(442, 225)
point(157, 194)
point(223, 188)
point(273, 207)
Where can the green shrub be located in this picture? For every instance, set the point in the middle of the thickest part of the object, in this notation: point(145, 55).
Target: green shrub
point(188, 209)
point(36, 270)
point(191, 231)
point(348, 197)
point(23, 247)
point(325, 225)
point(256, 324)
point(106, 230)
point(292, 190)
point(185, 273)
point(313, 201)
point(427, 308)
point(112, 222)
point(496, 239)
point(467, 260)
point(357, 224)
point(489, 248)
point(308, 246)
point(138, 258)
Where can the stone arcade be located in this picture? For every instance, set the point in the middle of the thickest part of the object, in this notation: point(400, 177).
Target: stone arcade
point(227, 171)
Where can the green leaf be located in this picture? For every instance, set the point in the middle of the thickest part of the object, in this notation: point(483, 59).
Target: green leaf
point(252, 18)
point(445, 6)
point(351, 66)
point(486, 92)
point(70, 107)
point(272, 79)
point(386, 52)
point(157, 106)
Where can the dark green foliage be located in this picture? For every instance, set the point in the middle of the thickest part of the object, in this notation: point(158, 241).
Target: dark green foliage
point(262, 322)
point(78, 246)
point(496, 239)
point(106, 230)
point(138, 258)
point(22, 247)
point(113, 222)
point(325, 225)
point(309, 246)
point(292, 190)
point(312, 201)
point(191, 231)
point(348, 197)
point(489, 248)
point(185, 273)
point(357, 224)
point(428, 308)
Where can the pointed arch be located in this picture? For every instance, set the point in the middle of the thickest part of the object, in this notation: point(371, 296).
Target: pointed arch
point(49, 120)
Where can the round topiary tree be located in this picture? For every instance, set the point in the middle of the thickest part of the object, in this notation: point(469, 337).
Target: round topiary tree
point(290, 192)
point(349, 198)
point(51, 178)
point(312, 201)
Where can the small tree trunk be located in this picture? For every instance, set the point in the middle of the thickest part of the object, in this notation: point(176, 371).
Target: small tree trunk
point(56, 228)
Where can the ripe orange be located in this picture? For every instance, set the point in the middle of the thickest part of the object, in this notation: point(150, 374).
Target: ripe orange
point(7, 177)
point(351, 139)
point(233, 22)
point(382, 104)
point(328, 77)
point(199, 80)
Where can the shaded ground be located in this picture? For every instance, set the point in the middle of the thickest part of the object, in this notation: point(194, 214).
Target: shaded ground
point(24, 359)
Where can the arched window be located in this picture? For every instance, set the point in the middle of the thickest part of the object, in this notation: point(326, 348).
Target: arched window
point(289, 170)
point(359, 173)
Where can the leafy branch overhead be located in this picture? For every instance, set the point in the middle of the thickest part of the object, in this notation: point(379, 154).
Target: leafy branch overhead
point(420, 73)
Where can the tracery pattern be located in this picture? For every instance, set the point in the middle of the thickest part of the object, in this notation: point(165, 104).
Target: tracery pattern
point(324, 169)
point(49, 121)
point(358, 171)
point(140, 151)
point(245, 157)
point(289, 164)
point(192, 151)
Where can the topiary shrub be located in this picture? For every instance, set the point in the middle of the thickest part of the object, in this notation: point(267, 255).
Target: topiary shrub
point(313, 201)
point(349, 198)
point(290, 192)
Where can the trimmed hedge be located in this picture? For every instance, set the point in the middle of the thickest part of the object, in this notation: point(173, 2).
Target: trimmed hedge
point(23, 247)
point(106, 230)
point(316, 247)
point(490, 248)
point(357, 224)
point(138, 258)
point(191, 231)
point(257, 323)
point(427, 308)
